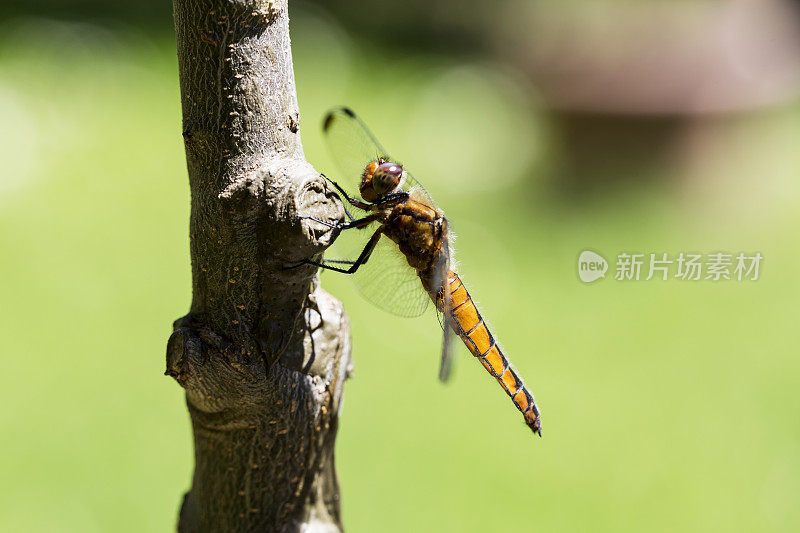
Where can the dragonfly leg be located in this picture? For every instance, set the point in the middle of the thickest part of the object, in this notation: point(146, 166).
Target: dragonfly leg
point(356, 203)
point(360, 223)
point(373, 241)
point(346, 212)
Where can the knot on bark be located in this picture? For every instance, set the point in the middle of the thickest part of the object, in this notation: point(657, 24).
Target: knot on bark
point(193, 344)
point(293, 190)
point(269, 434)
point(221, 374)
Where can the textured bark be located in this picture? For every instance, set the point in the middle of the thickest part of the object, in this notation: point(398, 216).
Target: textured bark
point(264, 352)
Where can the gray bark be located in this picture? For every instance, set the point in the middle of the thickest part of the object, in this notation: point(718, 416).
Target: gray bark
point(264, 352)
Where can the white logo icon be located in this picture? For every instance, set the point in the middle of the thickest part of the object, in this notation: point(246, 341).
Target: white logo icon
point(591, 266)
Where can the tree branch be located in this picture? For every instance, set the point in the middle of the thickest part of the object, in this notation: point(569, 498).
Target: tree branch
point(264, 352)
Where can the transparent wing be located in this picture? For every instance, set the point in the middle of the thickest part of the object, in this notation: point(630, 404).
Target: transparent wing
point(351, 144)
point(442, 283)
point(446, 360)
point(388, 282)
point(417, 191)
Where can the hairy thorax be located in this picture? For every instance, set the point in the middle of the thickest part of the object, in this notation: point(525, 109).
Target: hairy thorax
point(418, 230)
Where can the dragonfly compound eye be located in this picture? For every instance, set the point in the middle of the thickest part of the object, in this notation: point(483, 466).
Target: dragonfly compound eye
point(387, 177)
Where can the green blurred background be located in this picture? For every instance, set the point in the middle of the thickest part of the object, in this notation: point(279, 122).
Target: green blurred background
point(542, 129)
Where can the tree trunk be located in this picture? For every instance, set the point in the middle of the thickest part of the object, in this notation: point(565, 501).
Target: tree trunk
point(264, 352)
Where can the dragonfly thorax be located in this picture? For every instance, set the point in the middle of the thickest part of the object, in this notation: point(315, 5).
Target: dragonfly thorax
point(381, 178)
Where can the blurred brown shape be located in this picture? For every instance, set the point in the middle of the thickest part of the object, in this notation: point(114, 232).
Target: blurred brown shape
point(628, 81)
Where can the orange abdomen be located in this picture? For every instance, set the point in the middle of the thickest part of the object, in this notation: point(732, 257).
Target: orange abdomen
point(468, 324)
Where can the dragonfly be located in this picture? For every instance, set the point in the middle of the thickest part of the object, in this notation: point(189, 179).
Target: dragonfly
point(407, 261)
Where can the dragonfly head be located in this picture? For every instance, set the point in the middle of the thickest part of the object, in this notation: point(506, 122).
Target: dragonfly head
point(380, 179)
